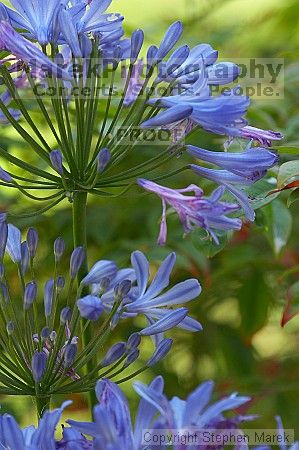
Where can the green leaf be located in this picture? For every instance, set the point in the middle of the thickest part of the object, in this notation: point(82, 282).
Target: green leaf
point(258, 193)
point(287, 171)
point(279, 223)
point(294, 197)
point(254, 299)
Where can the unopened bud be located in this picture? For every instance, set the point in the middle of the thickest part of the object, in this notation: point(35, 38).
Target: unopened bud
point(103, 159)
point(30, 294)
point(32, 241)
point(59, 247)
point(70, 354)
point(76, 262)
point(56, 161)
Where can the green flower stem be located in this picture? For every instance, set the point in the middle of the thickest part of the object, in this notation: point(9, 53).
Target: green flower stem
point(80, 239)
point(42, 404)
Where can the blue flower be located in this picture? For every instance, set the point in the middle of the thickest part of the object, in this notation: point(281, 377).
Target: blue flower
point(194, 210)
point(246, 164)
point(30, 438)
point(196, 411)
point(152, 301)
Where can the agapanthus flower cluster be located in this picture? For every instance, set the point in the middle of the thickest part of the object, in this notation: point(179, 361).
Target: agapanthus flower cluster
point(112, 428)
point(99, 94)
point(41, 337)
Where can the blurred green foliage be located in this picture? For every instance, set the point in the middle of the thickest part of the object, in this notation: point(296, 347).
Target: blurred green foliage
point(246, 285)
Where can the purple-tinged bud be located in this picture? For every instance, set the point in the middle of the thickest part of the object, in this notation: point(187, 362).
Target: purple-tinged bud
point(45, 333)
point(132, 357)
point(65, 315)
point(103, 159)
point(30, 294)
point(122, 289)
point(10, 328)
point(4, 176)
point(25, 257)
point(137, 39)
point(59, 247)
point(70, 353)
point(133, 341)
point(32, 241)
point(48, 297)
point(90, 307)
point(56, 161)
point(76, 262)
point(38, 365)
point(60, 282)
point(3, 238)
point(113, 354)
point(4, 292)
point(161, 351)
point(13, 246)
point(100, 270)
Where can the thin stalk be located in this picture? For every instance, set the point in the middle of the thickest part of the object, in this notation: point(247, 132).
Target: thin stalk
point(80, 239)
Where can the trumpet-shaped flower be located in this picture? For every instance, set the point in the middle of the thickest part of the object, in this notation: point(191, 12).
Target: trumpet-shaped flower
point(194, 210)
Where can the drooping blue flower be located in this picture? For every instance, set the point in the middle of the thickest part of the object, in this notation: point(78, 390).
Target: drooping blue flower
point(194, 210)
point(217, 114)
point(251, 160)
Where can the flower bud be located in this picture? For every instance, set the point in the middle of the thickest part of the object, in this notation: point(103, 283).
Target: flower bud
point(38, 365)
point(2, 271)
point(160, 352)
point(24, 257)
point(4, 176)
point(56, 161)
point(69, 354)
point(132, 357)
point(32, 241)
point(30, 294)
point(76, 262)
point(90, 307)
point(133, 341)
point(113, 354)
point(137, 39)
point(60, 282)
point(59, 247)
point(100, 270)
point(45, 333)
point(103, 159)
point(48, 297)
point(65, 315)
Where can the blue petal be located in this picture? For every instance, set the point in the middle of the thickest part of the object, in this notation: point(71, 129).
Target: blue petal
point(161, 279)
point(171, 115)
point(169, 321)
point(13, 246)
point(141, 267)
